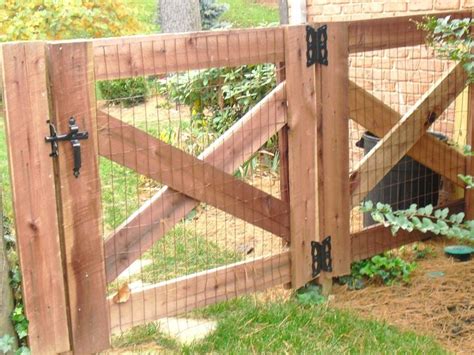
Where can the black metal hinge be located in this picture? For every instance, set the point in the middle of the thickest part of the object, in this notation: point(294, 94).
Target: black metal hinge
point(316, 45)
point(74, 136)
point(321, 253)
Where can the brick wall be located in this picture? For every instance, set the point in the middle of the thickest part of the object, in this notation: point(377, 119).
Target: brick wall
point(360, 9)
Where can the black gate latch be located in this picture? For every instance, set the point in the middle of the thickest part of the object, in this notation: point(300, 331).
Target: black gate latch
point(321, 253)
point(74, 136)
point(316, 45)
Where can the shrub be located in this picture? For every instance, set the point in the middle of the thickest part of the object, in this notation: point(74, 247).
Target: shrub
point(127, 92)
point(210, 13)
point(50, 19)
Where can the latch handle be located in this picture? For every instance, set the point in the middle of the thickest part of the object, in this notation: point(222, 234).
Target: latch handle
point(76, 147)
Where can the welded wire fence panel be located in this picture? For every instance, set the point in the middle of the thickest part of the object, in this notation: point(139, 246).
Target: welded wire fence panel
point(408, 127)
point(190, 171)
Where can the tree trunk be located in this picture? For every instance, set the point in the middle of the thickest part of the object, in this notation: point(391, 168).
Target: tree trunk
point(283, 6)
point(179, 15)
point(6, 297)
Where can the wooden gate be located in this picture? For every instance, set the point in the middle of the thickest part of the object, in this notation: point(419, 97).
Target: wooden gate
point(69, 263)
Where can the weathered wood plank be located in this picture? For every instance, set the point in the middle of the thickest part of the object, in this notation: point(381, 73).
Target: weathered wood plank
point(379, 118)
point(193, 177)
point(302, 113)
point(404, 135)
point(34, 197)
point(166, 53)
point(391, 32)
point(333, 148)
point(469, 193)
point(167, 207)
point(201, 289)
point(73, 94)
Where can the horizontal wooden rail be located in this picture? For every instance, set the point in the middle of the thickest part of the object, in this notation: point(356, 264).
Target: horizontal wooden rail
point(156, 54)
point(391, 32)
point(204, 288)
point(379, 118)
point(378, 239)
point(167, 207)
point(404, 135)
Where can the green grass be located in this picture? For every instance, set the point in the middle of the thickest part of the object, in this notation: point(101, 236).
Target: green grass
point(246, 13)
point(146, 13)
point(182, 252)
point(246, 326)
point(5, 188)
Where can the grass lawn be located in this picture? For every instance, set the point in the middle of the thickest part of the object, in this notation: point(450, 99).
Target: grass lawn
point(246, 13)
point(248, 326)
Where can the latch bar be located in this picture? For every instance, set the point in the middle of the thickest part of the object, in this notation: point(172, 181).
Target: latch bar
point(74, 136)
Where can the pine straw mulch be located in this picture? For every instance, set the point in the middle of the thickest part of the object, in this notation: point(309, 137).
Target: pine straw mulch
point(439, 306)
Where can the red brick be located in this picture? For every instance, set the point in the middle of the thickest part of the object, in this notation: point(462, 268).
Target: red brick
point(395, 6)
point(447, 4)
point(466, 4)
point(332, 9)
point(420, 5)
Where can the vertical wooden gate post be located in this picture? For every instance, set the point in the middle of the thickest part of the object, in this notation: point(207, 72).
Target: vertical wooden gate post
point(31, 168)
point(301, 96)
point(318, 152)
point(73, 95)
point(332, 90)
point(469, 193)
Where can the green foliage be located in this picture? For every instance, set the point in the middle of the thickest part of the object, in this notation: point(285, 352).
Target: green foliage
point(247, 13)
point(452, 39)
point(310, 295)
point(220, 96)
point(7, 342)
point(128, 92)
point(423, 219)
point(52, 19)
point(210, 14)
point(385, 268)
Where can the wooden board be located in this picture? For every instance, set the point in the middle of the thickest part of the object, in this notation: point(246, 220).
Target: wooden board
point(183, 294)
point(404, 135)
point(469, 193)
point(379, 118)
point(391, 32)
point(167, 207)
point(332, 169)
point(73, 94)
point(193, 177)
point(34, 198)
point(302, 113)
point(167, 53)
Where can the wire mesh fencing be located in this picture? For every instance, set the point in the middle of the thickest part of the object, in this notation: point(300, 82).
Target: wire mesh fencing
point(190, 171)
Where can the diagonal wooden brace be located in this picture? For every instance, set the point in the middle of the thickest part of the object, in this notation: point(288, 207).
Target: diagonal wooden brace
point(406, 133)
point(167, 207)
point(379, 118)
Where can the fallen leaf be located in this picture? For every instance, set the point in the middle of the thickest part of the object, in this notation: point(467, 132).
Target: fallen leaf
point(122, 295)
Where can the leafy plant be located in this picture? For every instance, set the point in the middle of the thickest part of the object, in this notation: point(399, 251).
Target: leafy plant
point(210, 14)
point(451, 39)
point(385, 268)
point(51, 19)
point(128, 92)
point(310, 295)
point(424, 219)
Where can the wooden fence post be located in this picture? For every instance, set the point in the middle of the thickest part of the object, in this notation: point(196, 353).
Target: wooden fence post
point(469, 193)
point(318, 108)
point(31, 168)
point(73, 95)
point(332, 83)
point(301, 89)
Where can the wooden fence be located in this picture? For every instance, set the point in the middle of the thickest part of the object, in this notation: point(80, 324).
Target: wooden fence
point(68, 261)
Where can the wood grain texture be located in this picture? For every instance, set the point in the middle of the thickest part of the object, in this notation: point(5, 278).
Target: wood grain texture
point(379, 118)
point(73, 94)
point(167, 53)
point(183, 294)
point(404, 135)
point(391, 32)
point(469, 193)
point(193, 177)
point(302, 113)
point(31, 168)
point(167, 207)
point(332, 82)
